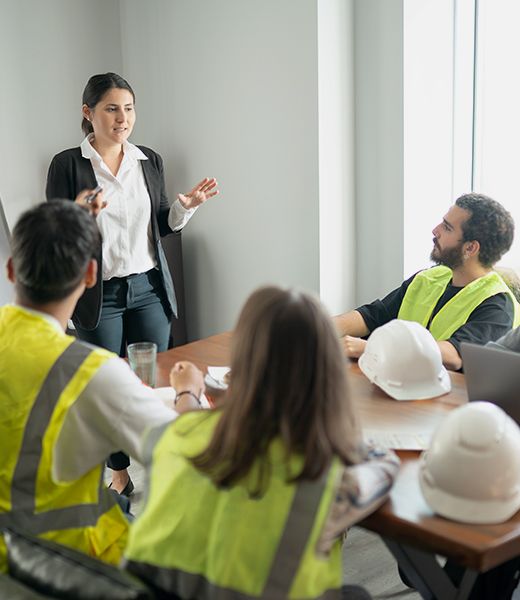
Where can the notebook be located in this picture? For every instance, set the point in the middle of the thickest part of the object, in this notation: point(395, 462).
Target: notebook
point(493, 374)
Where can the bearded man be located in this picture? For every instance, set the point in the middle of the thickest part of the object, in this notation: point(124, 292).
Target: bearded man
point(462, 299)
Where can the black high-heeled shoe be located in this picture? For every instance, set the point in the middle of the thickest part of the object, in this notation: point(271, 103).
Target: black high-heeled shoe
point(127, 490)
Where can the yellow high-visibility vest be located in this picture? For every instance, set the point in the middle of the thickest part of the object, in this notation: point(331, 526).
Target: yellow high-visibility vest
point(198, 541)
point(427, 288)
point(42, 373)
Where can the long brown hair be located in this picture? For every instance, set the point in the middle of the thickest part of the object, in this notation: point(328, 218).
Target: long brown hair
point(288, 380)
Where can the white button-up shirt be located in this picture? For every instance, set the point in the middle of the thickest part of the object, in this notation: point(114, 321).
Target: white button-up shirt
point(125, 223)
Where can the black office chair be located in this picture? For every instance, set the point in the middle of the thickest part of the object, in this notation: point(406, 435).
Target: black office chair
point(172, 246)
point(40, 569)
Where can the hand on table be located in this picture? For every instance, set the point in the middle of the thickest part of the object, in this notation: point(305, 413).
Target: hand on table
point(199, 194)
point(185, 377)
point(95, 206)
point(353, 346)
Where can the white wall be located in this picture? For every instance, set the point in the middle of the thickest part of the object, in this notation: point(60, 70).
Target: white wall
point(47, 52)
point(379, 146)
point(428, 125)
point(337, 154)
point(225, 89)
point(229, 89)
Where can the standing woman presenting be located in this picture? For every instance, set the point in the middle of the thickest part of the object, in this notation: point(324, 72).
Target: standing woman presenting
point(135, 299)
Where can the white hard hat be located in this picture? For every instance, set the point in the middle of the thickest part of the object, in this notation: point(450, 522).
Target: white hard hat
point(471, 471)
point(403, 359)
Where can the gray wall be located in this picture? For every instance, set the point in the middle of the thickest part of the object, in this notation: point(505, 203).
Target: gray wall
point(47, 52)
point(227, 89)
point(336, 153)
point(232, 93)
point(379, 146)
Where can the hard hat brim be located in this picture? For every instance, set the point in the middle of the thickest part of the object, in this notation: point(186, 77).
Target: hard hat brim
point(465, 510)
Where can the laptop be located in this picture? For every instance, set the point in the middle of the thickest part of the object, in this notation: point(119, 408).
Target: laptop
point(6, 287)
point(493, 374)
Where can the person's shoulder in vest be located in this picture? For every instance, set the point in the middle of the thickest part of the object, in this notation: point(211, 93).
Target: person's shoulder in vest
point(471, 238)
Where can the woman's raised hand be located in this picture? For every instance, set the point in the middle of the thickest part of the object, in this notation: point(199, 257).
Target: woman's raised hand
point(199, 194)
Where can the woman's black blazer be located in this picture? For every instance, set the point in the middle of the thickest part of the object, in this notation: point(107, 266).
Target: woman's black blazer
point(69, 174)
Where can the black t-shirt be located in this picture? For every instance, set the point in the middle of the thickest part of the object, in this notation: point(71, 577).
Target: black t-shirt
point(492, 319)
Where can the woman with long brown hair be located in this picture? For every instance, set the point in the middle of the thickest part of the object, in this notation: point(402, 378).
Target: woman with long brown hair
point(251, 499)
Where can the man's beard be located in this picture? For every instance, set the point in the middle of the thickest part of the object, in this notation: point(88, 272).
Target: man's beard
point(450, 257)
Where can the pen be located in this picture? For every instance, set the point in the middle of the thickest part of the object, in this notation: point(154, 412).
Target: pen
point(89, 199)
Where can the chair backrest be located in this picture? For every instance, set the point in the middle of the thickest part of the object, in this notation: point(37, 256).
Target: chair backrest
point(172, 246)
point(57, 571)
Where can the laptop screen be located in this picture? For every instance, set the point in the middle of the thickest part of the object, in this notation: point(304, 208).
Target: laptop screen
point(493, 375)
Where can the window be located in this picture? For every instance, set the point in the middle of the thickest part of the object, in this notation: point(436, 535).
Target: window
point(461, 113)
point(428, 124)
point(496, 143)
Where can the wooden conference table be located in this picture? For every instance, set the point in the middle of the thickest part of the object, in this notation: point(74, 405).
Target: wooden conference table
point(408, 526)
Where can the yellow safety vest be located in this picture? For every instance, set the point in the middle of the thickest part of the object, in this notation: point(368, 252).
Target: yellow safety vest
point(198, 541)
point(42, 373)
point(428, 286)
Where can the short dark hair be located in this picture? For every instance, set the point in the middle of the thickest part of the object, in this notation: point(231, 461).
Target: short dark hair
point(97, 86)
point(51, 247)
point(489, 224)
point(288, 381)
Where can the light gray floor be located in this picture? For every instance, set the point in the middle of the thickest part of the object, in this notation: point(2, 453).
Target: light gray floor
point(368, 562)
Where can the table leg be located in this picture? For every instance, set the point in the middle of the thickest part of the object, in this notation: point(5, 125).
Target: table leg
point(427, 576)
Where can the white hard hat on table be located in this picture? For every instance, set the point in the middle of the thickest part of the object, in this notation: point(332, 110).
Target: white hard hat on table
point(471, 471)
point(403, 358)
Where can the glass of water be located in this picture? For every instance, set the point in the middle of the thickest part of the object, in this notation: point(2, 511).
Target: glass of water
point(142, 358)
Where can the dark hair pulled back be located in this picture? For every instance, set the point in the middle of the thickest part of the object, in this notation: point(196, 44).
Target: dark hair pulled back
point(97, 86)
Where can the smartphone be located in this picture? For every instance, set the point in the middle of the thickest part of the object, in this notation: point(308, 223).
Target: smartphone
point(89, 199)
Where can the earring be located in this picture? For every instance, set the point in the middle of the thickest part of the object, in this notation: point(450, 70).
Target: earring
point(466, 256)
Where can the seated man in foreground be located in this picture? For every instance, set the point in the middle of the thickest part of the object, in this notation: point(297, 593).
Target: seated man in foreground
point(60, 397)
point(460, 300)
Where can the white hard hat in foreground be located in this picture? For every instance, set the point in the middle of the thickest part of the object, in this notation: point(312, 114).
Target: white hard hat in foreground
point(403, 359)
point(471, 471)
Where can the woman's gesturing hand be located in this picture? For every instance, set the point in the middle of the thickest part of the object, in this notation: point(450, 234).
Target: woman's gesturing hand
point(199, 194)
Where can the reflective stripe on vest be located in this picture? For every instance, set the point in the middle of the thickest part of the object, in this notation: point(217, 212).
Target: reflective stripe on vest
point(427, 288)
point(285, 563)
point(23, 485)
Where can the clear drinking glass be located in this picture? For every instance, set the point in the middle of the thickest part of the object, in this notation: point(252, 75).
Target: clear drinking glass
point(142, 358)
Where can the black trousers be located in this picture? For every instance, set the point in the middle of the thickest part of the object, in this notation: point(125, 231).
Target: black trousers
point(134, 310)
